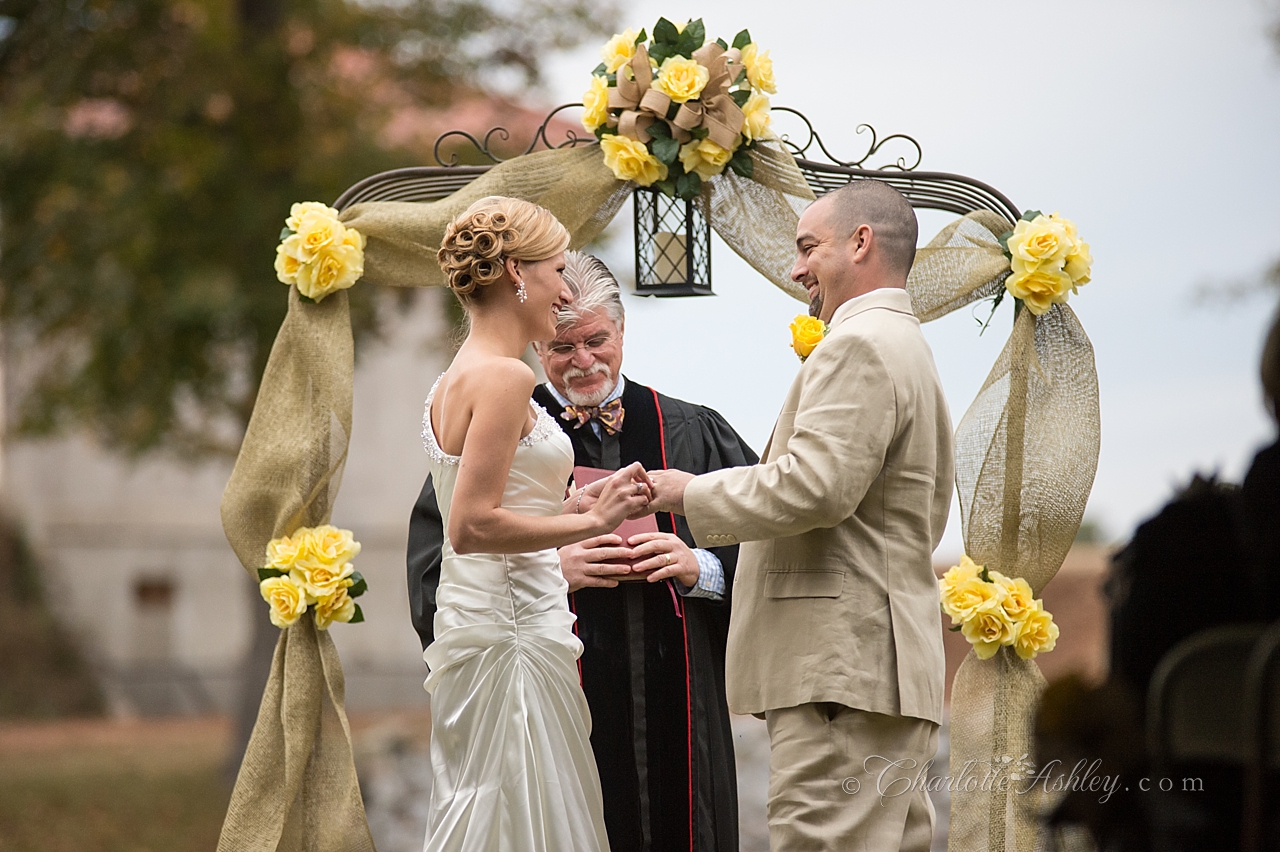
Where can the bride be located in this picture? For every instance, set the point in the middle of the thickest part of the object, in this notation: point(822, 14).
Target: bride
point(512, 764)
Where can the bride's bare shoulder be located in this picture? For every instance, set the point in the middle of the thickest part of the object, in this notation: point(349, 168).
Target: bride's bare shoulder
point(493, 377)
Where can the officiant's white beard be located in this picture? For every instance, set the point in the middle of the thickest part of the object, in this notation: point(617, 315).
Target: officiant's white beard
point(596, 397)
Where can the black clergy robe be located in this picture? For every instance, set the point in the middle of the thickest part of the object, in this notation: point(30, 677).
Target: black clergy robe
point(652, 666)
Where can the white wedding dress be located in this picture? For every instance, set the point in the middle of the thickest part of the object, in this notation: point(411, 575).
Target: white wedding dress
point(512, 764)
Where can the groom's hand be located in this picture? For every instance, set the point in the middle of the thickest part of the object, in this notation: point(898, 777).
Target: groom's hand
point(668, 490)
point(664, 555)
point(596, 562)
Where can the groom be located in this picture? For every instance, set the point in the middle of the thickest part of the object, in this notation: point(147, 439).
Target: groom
point(836, 636)
point(653, 661)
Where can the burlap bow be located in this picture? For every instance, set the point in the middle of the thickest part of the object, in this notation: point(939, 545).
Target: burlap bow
point(714, 109)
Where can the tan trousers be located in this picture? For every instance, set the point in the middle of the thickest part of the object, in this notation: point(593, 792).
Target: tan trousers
point(832, 786)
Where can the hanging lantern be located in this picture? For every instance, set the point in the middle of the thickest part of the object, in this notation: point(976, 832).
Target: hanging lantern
point(673, 246)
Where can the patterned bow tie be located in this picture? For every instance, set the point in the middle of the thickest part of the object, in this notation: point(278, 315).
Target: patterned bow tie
point(610, 415)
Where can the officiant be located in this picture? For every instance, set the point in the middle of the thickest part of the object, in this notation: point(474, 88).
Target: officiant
point(653, 632)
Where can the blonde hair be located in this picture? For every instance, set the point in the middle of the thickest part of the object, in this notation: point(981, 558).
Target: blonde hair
point(477, 244)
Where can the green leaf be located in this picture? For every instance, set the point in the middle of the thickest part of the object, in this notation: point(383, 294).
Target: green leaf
point(995, 303)
point(1028, 215)
point(695, 33)
point(742, 164)
point(700, 133)
point(603, 131)
point(268, 573)
point(739, 80)
point(286, 232)
point(642, 38)
point(358, 585)
point(724, 45)
point(688, 185)
point(358, 616)
point(666, 150)
point(956, 629)
point(742, 39)
point(666, 187)
point(740, 97)
point(307, 299)
point(611, 78)
point(600, 69)
point(986, 577)
point(659, 53)
point(659, 130)
point(665, 33)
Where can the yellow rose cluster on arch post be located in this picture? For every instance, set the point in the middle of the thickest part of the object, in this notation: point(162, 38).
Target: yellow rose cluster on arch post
point(312, 569)
point(317, 253)
point(673, 109)
point(992, 610)
point(1048, 260)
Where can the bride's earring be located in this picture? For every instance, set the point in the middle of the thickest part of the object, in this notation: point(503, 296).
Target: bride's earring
point(521, 293)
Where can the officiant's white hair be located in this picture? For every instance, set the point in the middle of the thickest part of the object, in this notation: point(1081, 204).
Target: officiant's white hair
point(594, 289)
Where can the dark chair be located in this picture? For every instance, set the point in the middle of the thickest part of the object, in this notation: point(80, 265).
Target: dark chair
point(1261, 828)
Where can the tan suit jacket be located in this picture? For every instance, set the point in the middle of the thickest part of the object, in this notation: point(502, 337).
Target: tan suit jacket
point(835, 597)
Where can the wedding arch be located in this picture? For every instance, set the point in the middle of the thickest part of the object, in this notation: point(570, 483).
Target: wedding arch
point(1026, 449)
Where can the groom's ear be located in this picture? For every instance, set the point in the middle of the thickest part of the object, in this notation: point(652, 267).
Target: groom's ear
point(860, 243)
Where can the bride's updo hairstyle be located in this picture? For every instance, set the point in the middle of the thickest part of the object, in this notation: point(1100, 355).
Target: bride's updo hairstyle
point(477, 243)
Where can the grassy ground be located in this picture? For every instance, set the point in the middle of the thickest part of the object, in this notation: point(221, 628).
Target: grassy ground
point(112, 786)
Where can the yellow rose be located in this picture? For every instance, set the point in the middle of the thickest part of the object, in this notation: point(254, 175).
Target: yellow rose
point(681, 79)
point(336, 607)
point(973, 596)
point(320, 580)
point(330, 545)
point(630, 160)
point(806, 333)
point(704, 157)
point(987, 631)
point(954, 577)
point(759, 69)
point(757, 117)
point(1039, 289)
point(1038, 243)
point(618, 51)
point(287, 599)
point(1036, 634)
point(283, 553)
point(336, 267)
point(288, 259)
point(317, 230)
point(1019, 599)
point(596, 101)
point(297, 211)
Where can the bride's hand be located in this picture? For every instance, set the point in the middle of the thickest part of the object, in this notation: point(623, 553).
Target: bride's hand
point(615, 498)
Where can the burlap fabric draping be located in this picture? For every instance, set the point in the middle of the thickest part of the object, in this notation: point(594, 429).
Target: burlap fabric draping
point(1026, 455)
point(297, 787)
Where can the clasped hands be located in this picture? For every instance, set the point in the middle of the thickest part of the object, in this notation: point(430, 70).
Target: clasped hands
point(601, 561)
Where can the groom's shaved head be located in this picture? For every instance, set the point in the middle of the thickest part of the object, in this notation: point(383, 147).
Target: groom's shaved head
point(886, 211)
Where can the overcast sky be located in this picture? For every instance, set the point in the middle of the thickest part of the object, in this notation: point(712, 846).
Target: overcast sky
point(1154, 125)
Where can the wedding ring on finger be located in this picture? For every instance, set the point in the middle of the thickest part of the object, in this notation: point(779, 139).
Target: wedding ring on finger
point(666, 559)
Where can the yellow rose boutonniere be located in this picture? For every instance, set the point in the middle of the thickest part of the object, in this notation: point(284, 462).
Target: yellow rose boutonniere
point(317, 253)
point(1047, 259)
point(993, 610)
point(312, 569)
point(806, 333)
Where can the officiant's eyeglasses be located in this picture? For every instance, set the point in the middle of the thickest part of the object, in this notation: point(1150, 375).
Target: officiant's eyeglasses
point(592, 345)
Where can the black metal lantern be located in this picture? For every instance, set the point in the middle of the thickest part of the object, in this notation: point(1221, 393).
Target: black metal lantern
point(673, 246)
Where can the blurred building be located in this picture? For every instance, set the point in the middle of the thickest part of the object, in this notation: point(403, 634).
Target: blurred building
point(139, 571)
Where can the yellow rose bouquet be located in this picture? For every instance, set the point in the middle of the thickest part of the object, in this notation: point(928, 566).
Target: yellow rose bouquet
point(312, 569)
point(674, 110)
point(317, 252)
point(992, 610)
point(1048, 259)
point(806, 333)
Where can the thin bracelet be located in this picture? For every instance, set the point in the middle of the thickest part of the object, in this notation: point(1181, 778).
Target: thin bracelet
point(577, 504)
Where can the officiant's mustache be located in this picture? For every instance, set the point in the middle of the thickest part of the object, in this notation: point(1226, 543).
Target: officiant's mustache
point(582, 373)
